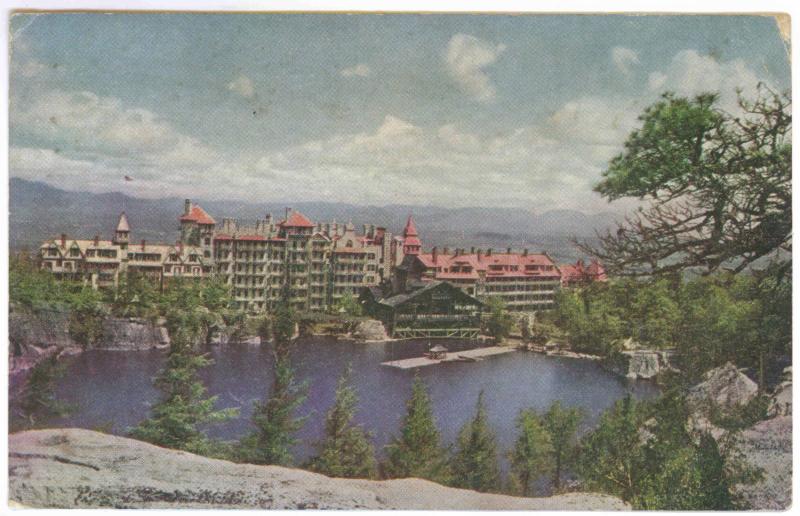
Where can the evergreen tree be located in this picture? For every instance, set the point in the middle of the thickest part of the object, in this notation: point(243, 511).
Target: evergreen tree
point(643, 454)
point(175, 420)
point(561, 424)
point(417, 451)
point(532, 455)
point(273, 439)
point(611, 457)
point(345, 451)
point(283, 327)
point(475, 461)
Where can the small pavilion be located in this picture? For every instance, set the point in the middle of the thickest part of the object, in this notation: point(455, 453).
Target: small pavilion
point(438, 352)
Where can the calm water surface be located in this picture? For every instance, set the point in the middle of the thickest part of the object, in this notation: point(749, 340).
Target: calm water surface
point(113, 389)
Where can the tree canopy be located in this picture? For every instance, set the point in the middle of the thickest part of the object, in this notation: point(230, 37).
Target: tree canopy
point(717, 185)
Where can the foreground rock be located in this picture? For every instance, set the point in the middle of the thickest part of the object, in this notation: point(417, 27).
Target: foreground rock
point(768, 445)
point(780, 404)
point(72, 468)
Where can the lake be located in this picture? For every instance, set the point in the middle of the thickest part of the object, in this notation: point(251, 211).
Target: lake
point(112, 389)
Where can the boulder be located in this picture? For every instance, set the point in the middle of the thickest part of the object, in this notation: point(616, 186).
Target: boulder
point(722, 390)
point(370, 330)
point(74, 468)
point(724, 387)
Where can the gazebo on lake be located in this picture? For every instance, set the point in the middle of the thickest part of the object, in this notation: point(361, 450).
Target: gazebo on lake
point(437, 352)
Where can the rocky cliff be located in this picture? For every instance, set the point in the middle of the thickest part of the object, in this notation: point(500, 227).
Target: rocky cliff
point(72, 468)
point(36, 335)
point(639, 363)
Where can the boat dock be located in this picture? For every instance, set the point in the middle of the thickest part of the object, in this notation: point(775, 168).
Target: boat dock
point(471, 355)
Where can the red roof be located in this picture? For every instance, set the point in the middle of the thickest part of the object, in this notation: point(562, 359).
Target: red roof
point(581, 273)
point(297, 220)
point(199, 215)
point(531, 265)
point(410, 229)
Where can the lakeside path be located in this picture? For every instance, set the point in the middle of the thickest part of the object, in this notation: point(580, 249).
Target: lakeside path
point(455, 356)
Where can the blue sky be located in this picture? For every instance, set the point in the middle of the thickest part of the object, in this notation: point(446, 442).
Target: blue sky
point(463, 110)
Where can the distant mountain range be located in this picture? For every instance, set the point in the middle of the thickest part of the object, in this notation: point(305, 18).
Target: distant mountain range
point(39, 211)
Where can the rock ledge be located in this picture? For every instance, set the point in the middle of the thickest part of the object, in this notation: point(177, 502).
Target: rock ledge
point(74, 468)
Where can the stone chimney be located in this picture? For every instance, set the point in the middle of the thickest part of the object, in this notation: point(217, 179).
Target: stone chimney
point(508, 251)
point(180, 246)
point(187, 206)
point(63, 240)
point(144, 244)
point(96, 240)
point(489, 252)
point(480, 252)
point(525, 252)
point(288, 212)
point(472, 250)
point(434, 254)
point(445, 251)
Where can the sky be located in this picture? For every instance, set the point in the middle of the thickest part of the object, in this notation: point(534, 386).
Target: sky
point(455, 110)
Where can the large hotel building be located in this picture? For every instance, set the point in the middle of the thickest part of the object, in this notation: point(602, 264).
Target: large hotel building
point(310, 265)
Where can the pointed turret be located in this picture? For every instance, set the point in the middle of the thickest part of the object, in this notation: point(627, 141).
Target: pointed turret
point(411, 228)
point(123, 231)
point(411, 241)
point(122, 225)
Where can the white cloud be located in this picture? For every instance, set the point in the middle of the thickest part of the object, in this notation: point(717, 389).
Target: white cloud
point(550, 162)
point(690, 73)
point(359, 70)
point(466, 57)
point(243, 86)
point(624, 59)
point(532, 165)
point(85, 123)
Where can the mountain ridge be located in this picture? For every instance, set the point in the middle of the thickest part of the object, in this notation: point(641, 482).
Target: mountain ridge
point(39, 211)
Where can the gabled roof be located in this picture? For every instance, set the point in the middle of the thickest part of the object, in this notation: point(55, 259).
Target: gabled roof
point(123, 225)
point(199, 215)
point(297, 220)
point(399, 299)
